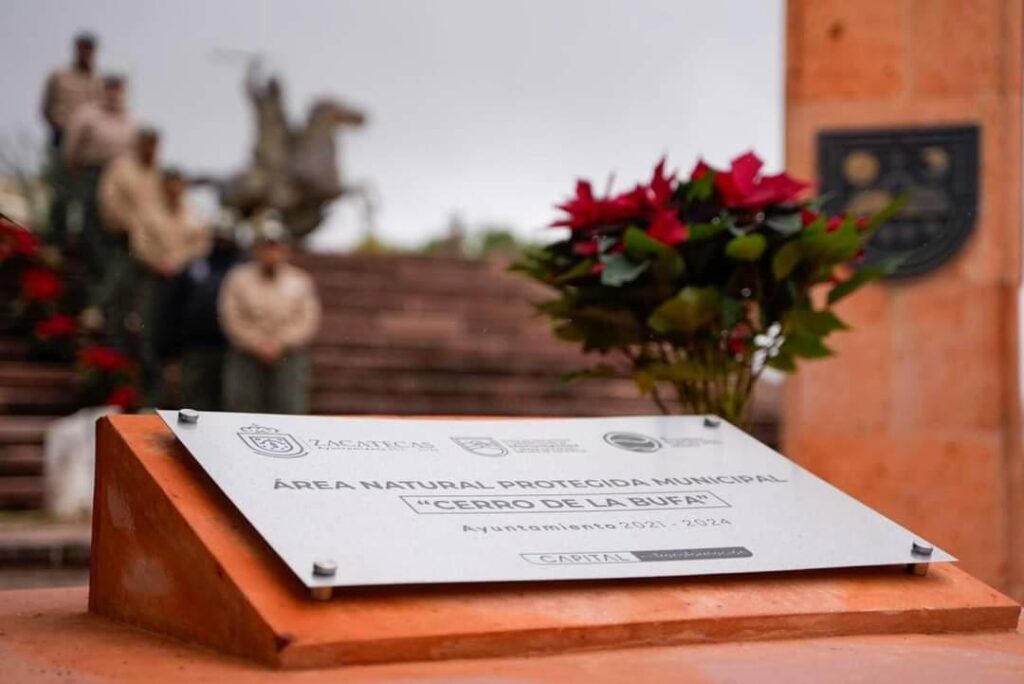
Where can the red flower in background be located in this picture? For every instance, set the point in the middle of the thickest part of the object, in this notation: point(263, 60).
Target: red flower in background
point(40, 285)
point(699, 170)
point(106, 359)
point(667, 228)
point(639, 205)
point(15, 240)
point(58, 325)
point(743, 187)
point(124, 396)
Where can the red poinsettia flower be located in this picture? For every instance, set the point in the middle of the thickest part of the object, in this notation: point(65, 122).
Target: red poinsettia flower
point(585, 248)
point(667, 228)
point(15, 240)
point(807, 217)
point(105, 359)
point(586, 211)
point(739, 338)
point(124, 396)
point(699, 170)
point(58, 325)
point(40, 285)
point(743, 186)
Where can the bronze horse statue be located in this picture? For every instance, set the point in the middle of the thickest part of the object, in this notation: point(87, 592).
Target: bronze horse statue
point(293, 169)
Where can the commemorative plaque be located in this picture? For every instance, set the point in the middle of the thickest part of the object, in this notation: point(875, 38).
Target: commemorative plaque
point(359, 502)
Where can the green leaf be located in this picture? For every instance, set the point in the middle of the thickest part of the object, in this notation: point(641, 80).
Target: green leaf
point(683, 370)
point(668, 264)
point(602, 370)
point(805, 345)
point(700, 189)
point(747, 247)
point(690, 309)
point(703, 231)
point(785, 224)
point(733, 311)
point(834, 247)
point(619, 270)
point(569, 332)
point(644, 381)
point(579, 270)
point(782, 361)
point(786, 259)
point(818, 323)
point(861, 277)
point(886, 213)
point(639, 244)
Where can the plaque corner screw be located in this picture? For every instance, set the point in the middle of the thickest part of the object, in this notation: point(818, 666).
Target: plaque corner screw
point(324, 568)
point(187, 415)
point(920, 548)
point(712, 421)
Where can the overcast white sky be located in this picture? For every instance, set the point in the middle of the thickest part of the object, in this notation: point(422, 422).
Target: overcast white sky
point(487, 108)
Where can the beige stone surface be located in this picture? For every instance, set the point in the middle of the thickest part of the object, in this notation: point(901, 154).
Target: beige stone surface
point(919, 412)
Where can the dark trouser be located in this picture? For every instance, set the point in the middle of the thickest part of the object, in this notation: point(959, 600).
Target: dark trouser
point(74, 197)
point(152, 290)
point(202, 375)
point(116, 293)
point(251, 386)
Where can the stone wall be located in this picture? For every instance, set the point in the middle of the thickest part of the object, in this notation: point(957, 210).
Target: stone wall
point(918, 415)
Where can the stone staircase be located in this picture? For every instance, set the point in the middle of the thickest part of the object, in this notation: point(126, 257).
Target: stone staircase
point(401, 335)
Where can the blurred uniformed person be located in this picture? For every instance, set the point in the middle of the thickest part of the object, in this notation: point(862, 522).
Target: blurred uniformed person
point(269, 311)
point(131, 187)
point(70, 87)
point(66, 90)
point(164, 239)
point(193, 331)
point(96, 133)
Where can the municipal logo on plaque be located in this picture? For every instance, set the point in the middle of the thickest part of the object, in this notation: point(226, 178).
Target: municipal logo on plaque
point(632, 441)
point(268, 441)
point(481, 446)
point(935, 167)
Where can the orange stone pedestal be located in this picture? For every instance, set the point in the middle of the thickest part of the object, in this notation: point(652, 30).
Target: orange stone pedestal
point(172, 555)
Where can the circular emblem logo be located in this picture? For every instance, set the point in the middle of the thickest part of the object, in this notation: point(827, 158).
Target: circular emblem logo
point(268, 441)
point(934, 168)
point(632, 441)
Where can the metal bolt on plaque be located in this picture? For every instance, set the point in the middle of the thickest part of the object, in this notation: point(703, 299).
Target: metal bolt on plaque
point(325, 568)
point(919, 548)
point(712, 421)
point(187, 415)
point(924, 550)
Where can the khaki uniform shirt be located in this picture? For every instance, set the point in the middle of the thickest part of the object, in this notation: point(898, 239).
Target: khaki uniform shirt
point(127, 189)
point(94, 135)
point(66, 90)
point(165, 240)
point(256, 310)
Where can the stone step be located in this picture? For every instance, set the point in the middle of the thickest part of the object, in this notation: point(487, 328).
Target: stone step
point(29, 401)
point(21, 460)
point(27, 374)
point(26, 541)
point(21, 493)
point(24, 429)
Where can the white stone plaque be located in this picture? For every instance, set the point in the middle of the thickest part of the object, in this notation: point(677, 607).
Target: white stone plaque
point(369, 501)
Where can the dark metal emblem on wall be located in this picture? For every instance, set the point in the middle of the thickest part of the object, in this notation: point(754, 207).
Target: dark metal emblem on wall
point(937, 167)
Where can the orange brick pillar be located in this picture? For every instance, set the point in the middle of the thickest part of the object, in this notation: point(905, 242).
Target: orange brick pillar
point(918, 414)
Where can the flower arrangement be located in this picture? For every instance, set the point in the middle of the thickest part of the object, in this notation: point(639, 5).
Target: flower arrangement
point(108, 377)
point(42, 310)
point(693, 286)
